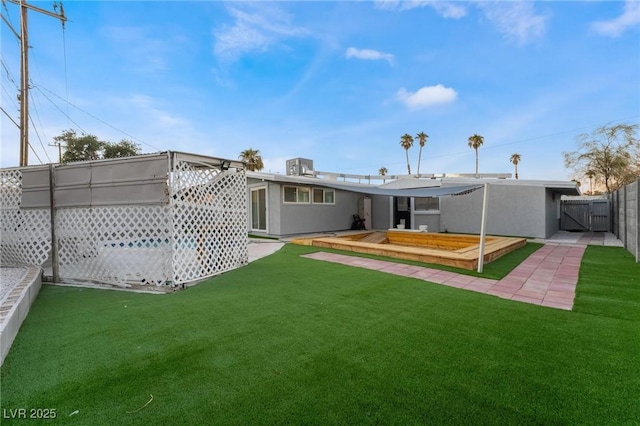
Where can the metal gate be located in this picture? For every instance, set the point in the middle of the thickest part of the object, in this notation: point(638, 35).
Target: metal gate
point(585, 215)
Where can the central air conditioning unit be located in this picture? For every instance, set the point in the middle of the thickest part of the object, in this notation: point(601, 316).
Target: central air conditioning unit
point(300, 167)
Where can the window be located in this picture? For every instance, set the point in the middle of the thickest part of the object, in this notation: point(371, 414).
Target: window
point(424, 204)
point(323, 196)
point(296, 194)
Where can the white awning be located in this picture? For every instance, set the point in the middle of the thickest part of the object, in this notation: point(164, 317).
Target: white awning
point(437, 191)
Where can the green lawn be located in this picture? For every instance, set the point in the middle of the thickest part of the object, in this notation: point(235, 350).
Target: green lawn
point(293, 340)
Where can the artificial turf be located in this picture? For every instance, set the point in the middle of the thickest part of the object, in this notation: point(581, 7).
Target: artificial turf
point(293, 340)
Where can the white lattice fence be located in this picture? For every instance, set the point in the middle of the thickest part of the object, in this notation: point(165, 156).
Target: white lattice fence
point(120, 245)
point(189, 224)
point(25, 235)
point(209, 221)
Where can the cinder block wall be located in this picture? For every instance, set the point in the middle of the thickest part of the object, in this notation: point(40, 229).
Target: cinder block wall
point(626, 205)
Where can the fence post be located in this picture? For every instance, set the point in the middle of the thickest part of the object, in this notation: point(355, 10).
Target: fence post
point(54, 240)
point(624, 217)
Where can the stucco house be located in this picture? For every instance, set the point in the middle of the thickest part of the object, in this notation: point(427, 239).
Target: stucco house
point(306, 201)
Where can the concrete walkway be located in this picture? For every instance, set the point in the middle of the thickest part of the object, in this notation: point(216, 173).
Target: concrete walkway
point(259, 248)
point(548, 277)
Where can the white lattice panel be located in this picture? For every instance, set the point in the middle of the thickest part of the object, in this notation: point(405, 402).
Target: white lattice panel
point(201, 232)
point(25, 235)
point(209, 221)
point(10, 188)
point(119, 245)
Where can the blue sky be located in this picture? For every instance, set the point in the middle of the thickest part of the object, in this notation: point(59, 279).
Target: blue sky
point(336, 82)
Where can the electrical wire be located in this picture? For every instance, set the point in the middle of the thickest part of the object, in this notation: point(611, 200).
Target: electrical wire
point(36, 154)
point(59, 109)
point(8, 73)
point(9, 117)
point(35, 129)
point(99, 119)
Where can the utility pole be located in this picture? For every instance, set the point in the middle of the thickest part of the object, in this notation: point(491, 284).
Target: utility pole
point(24, 71)
point(59, 145)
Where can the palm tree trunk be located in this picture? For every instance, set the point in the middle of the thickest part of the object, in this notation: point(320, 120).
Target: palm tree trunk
point(516, 171)
point(419, 158)
point(408, 166)
point(476, 162)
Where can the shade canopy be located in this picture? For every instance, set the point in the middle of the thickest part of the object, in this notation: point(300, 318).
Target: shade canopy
point(434, 191)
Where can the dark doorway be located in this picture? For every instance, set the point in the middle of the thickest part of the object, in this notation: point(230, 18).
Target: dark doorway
point(401, 211)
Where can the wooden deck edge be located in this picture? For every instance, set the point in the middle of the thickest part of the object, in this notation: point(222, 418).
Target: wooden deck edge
point(466, 258)
point(397, 252)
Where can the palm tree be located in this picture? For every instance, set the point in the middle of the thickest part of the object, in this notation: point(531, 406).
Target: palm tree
point(590, 174)
point(383, 172)
point(515, 159)
point(475, 142)
point(253, 159)
point(406, 141)
point(422, 138)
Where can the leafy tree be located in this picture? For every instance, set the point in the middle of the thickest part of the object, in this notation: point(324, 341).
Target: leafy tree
point(475, 142)
point(422, 140)
point(253, 159)
point(515, 160)
point(89, 147)
point(609, 155)
point(406, 141)
point(124, 148)
point(79, 148)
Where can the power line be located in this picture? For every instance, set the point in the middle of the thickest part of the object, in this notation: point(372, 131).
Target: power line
point(99, 119)
point(36, 129)
point(8, 73)
point(9, 117)
point(11, 96)
point(58, 108)
point(40, 140)
point(36, 154)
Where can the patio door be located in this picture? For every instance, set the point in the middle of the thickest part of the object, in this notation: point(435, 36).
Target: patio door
point(259, 209)
point(402, 211)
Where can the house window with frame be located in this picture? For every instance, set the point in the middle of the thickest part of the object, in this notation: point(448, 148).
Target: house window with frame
point(426, 204)
point(296, 195)
point(323, 196)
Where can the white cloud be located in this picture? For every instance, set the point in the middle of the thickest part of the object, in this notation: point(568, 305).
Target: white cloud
point(427, 96)
point(254, 30)
point(368, 54)
point(629, 19)
point(515, 20)
point(446, 9)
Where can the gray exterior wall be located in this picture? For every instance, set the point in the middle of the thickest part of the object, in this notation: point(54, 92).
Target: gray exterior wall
point(380, 211)
point(432, 220)
point(288, 219)
point(512, 211)
point(552, 212)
